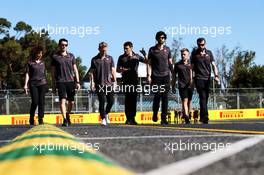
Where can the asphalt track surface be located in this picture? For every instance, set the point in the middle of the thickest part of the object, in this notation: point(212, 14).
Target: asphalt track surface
point(173, 149)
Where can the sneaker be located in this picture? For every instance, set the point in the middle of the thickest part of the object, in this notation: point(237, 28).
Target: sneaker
point(128, 122)
point(186, 119)
point(65, 123)
point(164, 122)
point(68, 118)
point(107, 119)
point(154, 118)
point(31, 121)
point(205, 122)
point(104, 122)
point(133, 122)
point(41, 121)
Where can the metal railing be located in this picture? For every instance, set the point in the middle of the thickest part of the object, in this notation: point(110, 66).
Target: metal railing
point(17, 102)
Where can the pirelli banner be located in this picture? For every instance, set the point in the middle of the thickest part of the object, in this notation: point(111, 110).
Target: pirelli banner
point(141, 118)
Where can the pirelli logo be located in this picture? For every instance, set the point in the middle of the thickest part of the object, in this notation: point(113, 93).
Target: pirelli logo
point(118, 117)
point(146, 117)
point(19, 120)
point(75, 118)
point(260, 113)
point(232, 114)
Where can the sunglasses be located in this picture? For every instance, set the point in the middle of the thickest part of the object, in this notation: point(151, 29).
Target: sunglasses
point(64, 45)
point(201, 44)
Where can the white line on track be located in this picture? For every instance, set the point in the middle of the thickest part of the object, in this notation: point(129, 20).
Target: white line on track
point(166, 136)
point(5, 141)
point(203, 160)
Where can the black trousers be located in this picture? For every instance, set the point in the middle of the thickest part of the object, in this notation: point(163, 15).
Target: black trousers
point(37, 100)
point(131, 103)
point(163, 82)
point(202, 87)
point(104, 96)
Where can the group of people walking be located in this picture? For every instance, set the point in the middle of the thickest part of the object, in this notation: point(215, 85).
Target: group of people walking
point(192, 70)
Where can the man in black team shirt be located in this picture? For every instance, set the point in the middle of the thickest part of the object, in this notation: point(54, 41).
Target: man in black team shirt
point(183, 71)
point(102, 76)
point(65, 78)
point(127, 65)
point(160, 66)
point(201, 60)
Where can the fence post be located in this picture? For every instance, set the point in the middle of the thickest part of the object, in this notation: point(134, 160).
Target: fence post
point(214, 99)
point(52, 102)
point(141, 99)
point(238, 101)
point(260, 100)
point(90, 100)
point(76, 102)
point(115, 103)
point(178, 99)
point(7, 102)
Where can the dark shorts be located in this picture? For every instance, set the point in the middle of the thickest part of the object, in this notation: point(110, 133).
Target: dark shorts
point(186, 93)
point(66, 90)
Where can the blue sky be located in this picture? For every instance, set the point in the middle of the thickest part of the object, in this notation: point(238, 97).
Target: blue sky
point(117, 21)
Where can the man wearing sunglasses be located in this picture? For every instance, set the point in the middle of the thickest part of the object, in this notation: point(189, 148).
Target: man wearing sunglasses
point(65, 78)
point(159, 71)
point(202, 59)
